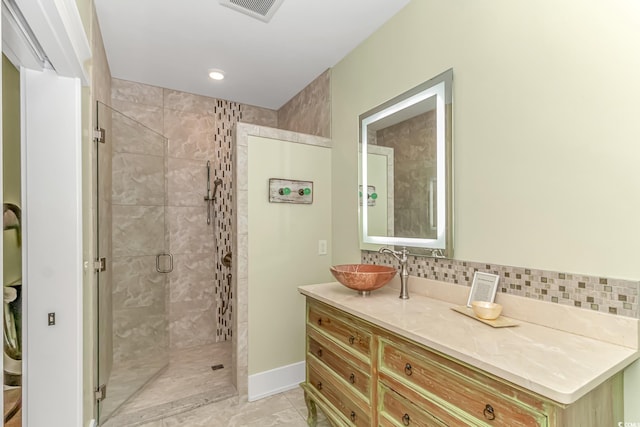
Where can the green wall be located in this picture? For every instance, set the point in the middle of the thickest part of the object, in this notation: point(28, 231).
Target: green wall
point(545, 131)
point(283, 248)
point(11, 164)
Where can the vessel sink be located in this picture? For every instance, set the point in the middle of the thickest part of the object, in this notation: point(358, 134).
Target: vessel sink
point(363, 278)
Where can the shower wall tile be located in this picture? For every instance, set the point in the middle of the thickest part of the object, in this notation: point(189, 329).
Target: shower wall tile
point(310, 110)
point(192, 278)
point(138, 284)
point(147, 115)
point(100, 72)
point(242, 197)
point(138, 179)
point(138, 230)
point(241, 358)
point(192, 326)
point(183, 101)
point(138, 332)
point(258, 116)
point(191, 135)
point(198, 129)
point(139, 93)
point(241, 175)
point(129, 137)
point(187, 182)
point(188, 230)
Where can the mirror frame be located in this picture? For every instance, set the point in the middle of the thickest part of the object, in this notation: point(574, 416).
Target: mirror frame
point(441, 87)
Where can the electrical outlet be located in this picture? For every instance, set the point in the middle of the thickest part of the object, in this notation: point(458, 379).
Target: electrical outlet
point(322, 247)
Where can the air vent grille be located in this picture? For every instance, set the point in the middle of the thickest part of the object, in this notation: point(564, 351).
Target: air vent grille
point(259, 9)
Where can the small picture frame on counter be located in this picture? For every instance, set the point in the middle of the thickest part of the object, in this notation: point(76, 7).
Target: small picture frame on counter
point(483, 287)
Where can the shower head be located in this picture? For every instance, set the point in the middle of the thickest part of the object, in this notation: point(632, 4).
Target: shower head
point(216, 183)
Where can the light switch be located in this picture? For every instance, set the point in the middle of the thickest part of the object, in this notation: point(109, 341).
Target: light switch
point(322, 247)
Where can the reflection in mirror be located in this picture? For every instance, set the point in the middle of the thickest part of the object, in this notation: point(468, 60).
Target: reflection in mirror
point(405, 170)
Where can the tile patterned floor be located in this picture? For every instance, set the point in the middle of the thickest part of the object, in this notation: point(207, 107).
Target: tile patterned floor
point(187, 383)
point(283, 410)
point(190, 394)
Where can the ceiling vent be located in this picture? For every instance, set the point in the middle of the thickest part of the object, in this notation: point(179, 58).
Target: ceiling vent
point(259, 9)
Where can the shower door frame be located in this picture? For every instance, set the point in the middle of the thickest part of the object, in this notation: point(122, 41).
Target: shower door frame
point(107, 263)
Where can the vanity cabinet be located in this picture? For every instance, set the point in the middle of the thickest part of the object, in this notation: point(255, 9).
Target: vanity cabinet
point(362, 375)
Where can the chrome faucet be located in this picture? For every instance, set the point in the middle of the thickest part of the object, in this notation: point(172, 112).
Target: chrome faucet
point(401, 256)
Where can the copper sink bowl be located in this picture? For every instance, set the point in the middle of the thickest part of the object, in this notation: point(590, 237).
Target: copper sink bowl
point(363, 278)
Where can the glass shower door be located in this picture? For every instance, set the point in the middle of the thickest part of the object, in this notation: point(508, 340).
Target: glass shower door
point(132, 245)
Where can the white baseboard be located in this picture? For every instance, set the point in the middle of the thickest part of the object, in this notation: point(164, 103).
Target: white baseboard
point(274, 381)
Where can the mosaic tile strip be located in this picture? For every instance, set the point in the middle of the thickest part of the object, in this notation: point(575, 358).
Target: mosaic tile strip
point(613, 296)
point(226, 115)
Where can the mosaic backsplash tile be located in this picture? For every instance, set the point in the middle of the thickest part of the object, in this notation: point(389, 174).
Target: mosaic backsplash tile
point(613, 296)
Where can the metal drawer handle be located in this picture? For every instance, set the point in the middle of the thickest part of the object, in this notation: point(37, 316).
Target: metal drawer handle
point(352, 339)
point(352, 378)
point(319, 321)
point(319, 352)
point(489, 412)
point(319, 385)
point(353, 416)
point(408, 370)
point(406, 419)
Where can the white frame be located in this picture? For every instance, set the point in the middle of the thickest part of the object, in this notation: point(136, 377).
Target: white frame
point(484, 284)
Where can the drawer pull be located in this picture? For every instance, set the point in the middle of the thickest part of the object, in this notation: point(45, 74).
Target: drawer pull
point(406, 419)
point(319, 385)
point(320, 321)
point(489, 412)
point(408, 370)
point(352, 339)
point(353, 416)
point(352, 378)
point(319, 352)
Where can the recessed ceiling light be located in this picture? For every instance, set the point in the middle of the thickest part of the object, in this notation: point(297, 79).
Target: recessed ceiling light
point(216, 74)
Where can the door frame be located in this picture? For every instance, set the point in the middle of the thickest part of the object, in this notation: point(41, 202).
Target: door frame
point(51, 144)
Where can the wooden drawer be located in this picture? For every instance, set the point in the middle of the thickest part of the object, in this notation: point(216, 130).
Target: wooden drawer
point(338, 361)
point(440, 379)
point(345, 329)
point(355, 411)
point(395, 410)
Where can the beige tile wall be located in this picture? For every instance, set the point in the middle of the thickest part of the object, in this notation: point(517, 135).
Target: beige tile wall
point(198, 129)
point(310, 110)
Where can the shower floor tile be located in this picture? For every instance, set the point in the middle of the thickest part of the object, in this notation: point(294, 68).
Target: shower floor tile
point(283, 409)
point(187, 383)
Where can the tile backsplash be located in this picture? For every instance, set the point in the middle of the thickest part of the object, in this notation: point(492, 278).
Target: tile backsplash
point(613, 296)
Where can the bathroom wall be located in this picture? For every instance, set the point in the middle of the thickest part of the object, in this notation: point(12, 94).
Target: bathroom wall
point(544, 95)
point(198, 129)
point(310, 110)
point(282, 252)
point(12, 259)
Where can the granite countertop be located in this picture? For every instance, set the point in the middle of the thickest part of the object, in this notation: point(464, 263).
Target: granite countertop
point(559, 365)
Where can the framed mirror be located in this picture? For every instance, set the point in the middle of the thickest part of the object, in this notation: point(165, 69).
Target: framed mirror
point(405, 177)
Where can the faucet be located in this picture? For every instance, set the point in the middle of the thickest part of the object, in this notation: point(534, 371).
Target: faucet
point(404, 274)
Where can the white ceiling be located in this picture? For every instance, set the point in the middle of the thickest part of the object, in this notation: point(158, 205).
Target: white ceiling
point(174, 43)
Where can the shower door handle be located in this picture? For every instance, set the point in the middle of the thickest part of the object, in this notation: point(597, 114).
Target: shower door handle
point(160, 270)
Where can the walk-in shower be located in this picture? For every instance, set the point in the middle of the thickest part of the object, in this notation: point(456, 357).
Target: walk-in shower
point(163, 275)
